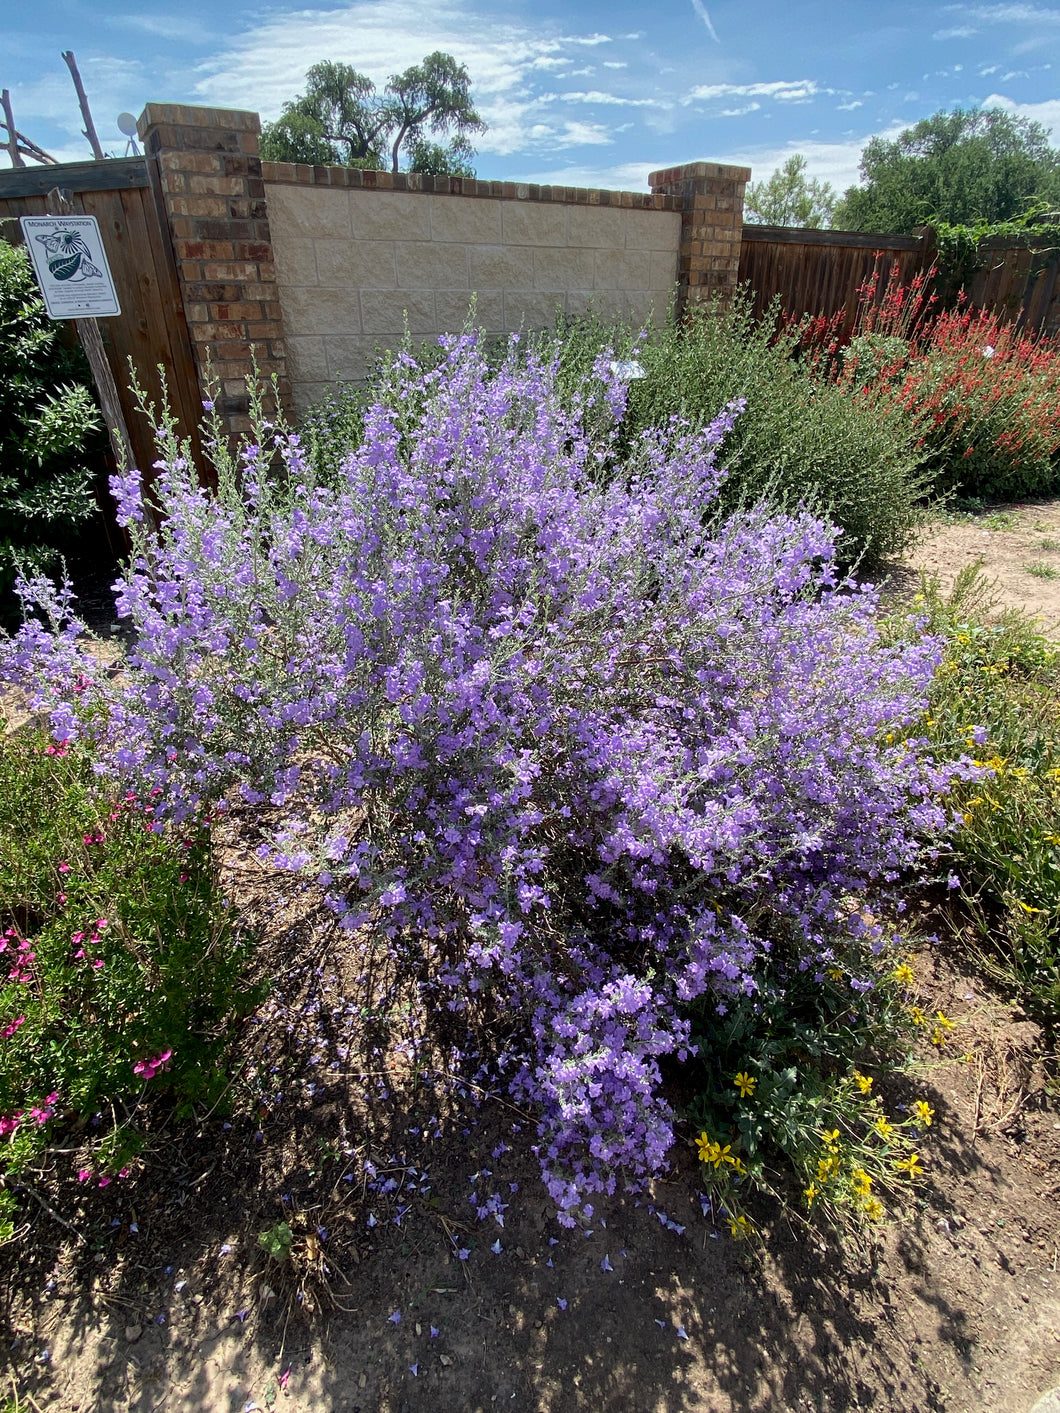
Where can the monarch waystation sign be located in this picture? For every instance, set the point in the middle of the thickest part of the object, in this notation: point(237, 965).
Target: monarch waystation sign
point(71, 266)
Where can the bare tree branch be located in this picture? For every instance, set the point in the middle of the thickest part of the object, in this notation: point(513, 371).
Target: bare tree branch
point(12, 135)
point(30, 149)
point(86, 112)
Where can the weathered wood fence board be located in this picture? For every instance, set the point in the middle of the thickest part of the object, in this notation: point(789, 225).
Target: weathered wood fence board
point(820, 272)
point(151, 329)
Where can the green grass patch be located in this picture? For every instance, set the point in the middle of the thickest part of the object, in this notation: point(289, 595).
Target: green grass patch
point(996, 698)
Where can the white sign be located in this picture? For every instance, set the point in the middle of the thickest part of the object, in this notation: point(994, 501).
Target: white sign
point(71, 265)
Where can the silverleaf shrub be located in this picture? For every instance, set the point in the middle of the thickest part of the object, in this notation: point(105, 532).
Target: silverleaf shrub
point(800, 441)
point(576, 754)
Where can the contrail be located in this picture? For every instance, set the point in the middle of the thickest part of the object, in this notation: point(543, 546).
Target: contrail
point(704, 14)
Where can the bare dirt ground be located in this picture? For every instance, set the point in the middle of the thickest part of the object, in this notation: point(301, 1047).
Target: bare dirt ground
point(167, 1302)
point(155, 1294)
point(1019, 546)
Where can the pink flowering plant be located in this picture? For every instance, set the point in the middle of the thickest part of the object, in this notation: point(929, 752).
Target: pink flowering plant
point(102, 921)
point(578, 750)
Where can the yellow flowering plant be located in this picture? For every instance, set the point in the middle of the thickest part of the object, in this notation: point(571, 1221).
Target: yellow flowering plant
point(995, 703)
point(788, 1106)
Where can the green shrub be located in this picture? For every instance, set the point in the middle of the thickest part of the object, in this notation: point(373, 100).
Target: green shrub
point(799, 439)
point(49, 427)
point(121, 968)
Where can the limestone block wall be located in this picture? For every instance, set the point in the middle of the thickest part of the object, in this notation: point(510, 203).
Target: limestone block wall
point(356, 253)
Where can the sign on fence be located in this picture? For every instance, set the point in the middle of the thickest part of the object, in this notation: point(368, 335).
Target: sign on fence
point(71, 265)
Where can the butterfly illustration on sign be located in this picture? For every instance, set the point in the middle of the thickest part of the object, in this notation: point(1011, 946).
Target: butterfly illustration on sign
point(68, 256)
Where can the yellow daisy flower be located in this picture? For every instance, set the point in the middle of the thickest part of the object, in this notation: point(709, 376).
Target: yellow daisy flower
point(924, 1112)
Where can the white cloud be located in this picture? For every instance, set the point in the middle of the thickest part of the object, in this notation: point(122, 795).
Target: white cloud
point(189, 30)
point(614, 64)
point(739, 112)
point(782, 91)
point(1046, 113)
point(959, 32)
point(849, 107)
point(574, 134)
point(595, 96)
point(266, 64)
point(704, 14)
point(624, 176)
point(1014, 14)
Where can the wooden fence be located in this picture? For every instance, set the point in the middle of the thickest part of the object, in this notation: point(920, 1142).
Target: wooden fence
point(1020, 284)
point(151, 329)
point(821, 272)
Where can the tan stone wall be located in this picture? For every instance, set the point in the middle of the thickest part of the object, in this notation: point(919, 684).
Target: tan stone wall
point(352, 263)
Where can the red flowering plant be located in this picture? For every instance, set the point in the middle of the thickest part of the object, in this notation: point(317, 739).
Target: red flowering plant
point(985, 393)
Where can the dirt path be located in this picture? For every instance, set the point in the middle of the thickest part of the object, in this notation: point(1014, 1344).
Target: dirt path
point(1019, 546)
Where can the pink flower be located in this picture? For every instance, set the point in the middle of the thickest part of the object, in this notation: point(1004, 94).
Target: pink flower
point(9, 1125)
point(46, 1110)
point(149, 1068)
point(64, 868)
point(104, 1182)
point(9, 1030)
point(84, 1174)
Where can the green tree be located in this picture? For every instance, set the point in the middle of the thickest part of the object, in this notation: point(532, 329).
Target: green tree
point(963, 167)
point(434, 160)
point(790, 198)
point(342, 118)
point(49, 431)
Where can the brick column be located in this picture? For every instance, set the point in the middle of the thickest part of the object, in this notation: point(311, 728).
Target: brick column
point(207, 175)
point(711, 226)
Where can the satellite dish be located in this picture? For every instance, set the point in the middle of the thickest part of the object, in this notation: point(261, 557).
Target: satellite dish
point(127, 124)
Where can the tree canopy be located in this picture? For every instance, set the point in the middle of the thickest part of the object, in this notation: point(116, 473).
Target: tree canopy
point(790, 198)
point(965, 166)
point(343, 119)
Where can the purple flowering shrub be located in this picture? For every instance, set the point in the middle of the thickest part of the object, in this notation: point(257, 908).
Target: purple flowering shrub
point(578, 756)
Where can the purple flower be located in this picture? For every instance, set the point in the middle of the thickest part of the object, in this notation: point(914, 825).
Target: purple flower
point(513, 697)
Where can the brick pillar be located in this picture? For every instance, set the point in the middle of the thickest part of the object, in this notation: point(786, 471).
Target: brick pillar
point(711, 226)
point(207, 176)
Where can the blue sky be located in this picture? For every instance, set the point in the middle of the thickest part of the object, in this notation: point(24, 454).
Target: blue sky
point(583, 92)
